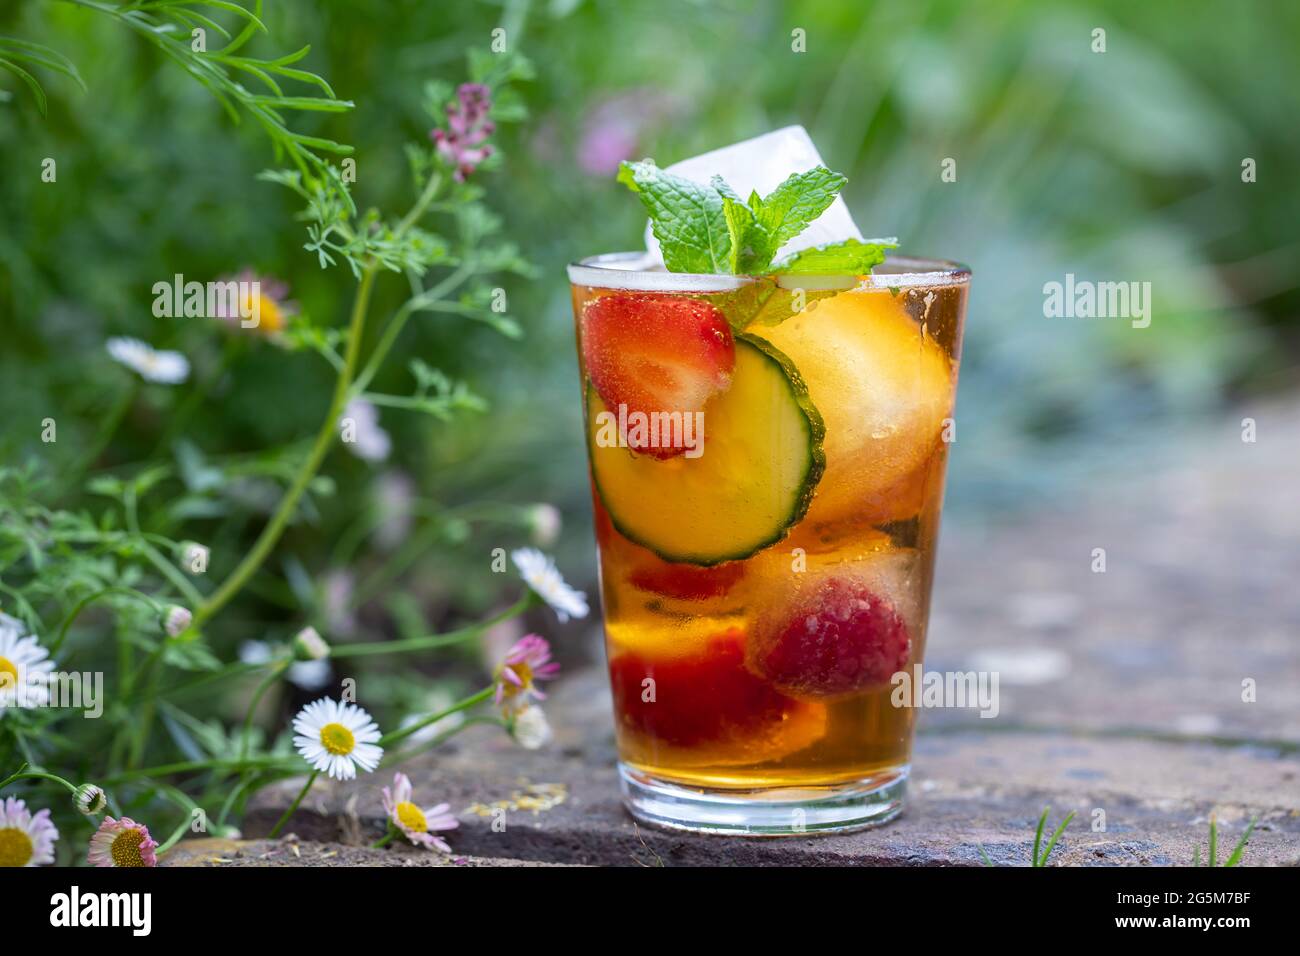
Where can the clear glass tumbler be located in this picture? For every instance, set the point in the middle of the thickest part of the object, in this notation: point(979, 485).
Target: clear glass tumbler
point(767, 462)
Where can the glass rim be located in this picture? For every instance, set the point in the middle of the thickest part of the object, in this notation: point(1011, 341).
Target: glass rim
point(635, 272)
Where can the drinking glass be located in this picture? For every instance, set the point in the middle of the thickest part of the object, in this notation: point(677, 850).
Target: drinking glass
point(766, 558)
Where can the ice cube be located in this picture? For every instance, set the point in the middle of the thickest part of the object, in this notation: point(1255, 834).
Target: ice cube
point(761, 164)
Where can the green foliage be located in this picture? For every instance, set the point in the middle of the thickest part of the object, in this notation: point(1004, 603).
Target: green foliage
point(97, 561)
point(709, 229)
point(16, 54)
point(849, 257)
point(1212, 856)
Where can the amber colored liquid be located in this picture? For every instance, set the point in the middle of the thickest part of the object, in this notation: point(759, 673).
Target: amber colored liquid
point(881, 368)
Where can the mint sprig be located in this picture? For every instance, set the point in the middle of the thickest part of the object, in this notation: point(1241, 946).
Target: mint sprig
point(710, 229)
point(686, 218)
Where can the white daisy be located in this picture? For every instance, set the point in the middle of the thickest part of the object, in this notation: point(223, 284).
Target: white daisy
point(531, 729)
point(169, 368)
point(24, 666)
point(25, 840)
point(361, 431)
point(336, 738)
point(540, 574)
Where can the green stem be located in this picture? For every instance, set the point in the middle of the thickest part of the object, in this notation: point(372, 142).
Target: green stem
point(395, 324)
point(325, 438)
point(174, 838)
point(433, 640)
point(24, 774)
point(389, 739)
point(197, 395)
point(189, 766)
point(396, 757)
point(258, 694)
point(386, 839)
point(416, 303)
point(90, 599)
point(107, 429)
point(275, 830)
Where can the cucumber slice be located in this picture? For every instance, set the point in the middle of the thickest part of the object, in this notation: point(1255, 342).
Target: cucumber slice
point(761, 462)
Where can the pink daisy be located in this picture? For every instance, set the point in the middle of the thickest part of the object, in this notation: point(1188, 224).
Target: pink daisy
point(526, 663)
point(122, 843)
point(414, 822)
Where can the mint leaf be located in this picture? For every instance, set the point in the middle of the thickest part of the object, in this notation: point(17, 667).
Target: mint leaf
point(764, 303)
point(850, 257)
point(750, 241)
point(788, 209)
point(687, 218)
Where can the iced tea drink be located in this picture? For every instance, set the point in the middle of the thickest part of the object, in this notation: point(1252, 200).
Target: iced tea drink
point(767, 468)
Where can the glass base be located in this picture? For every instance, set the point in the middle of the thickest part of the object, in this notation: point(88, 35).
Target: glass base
point(766, 811)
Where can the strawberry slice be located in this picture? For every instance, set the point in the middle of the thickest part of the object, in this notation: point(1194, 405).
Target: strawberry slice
point(706, 697)
point(843, 640)
point(656, 353)
point(686, 582)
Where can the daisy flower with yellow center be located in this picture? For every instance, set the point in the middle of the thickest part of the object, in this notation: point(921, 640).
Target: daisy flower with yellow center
point(26, 839)
point(122, 843)
point(417, 824)
point(24, 666)
point(263, 299)
point(337, 738)
point(525, 664)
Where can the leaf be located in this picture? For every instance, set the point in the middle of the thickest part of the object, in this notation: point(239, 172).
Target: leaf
point(1055, 836)
point(39, 55)
point(850, 257)
point(1240, 848)
point(31, 82)
point(687, 218)
point(1038, 834)
point(751, 245)
point(764, 303)
point(792, 206)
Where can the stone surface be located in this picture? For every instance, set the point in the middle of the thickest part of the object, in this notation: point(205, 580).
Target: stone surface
point(1121, 692)
point(290, 851)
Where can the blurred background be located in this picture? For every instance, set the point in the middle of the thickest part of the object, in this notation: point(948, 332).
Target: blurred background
point(1124, 165)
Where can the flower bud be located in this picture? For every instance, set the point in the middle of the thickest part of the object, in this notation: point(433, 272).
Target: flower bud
point(90, 799)
point(308, 645)
point(176, 620)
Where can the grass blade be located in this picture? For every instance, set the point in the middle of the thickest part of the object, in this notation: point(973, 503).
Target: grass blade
point(1240, 848)
point(1055, 836)
point(31, 82)
point(1038, 834)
